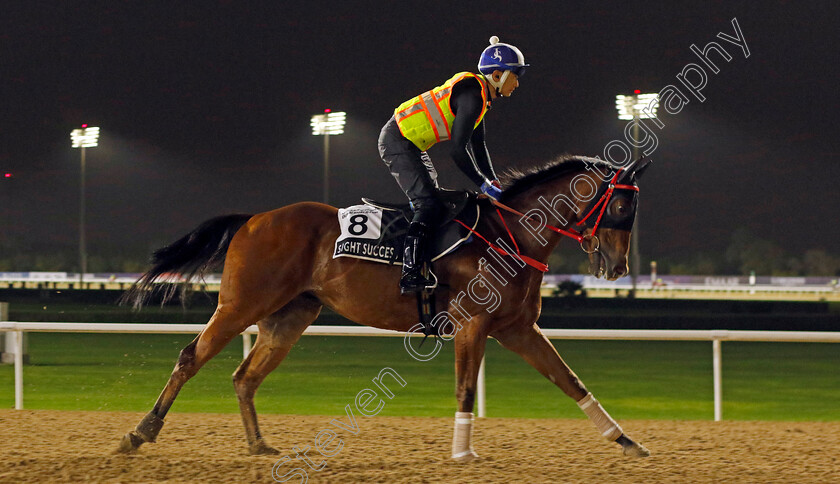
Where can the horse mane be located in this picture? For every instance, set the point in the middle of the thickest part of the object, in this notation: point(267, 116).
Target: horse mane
point(516, 181)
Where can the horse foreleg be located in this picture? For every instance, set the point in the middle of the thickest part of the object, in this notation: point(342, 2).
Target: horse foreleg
point(223, 326)
point(538, 351)
point(278, 333)
point(469, 351)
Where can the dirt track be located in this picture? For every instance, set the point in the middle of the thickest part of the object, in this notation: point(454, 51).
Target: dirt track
point(52, 446)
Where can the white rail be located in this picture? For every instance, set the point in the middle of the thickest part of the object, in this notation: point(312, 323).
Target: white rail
point(715, 336)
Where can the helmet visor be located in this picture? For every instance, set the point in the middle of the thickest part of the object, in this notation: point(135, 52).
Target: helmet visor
point(518, 70)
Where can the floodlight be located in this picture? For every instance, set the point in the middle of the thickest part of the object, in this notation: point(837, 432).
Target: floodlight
point(86, 137)
point(642, 105)
point(328, 123)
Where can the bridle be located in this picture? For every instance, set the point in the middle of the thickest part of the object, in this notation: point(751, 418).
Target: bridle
point(603, 201)
point(606, 191)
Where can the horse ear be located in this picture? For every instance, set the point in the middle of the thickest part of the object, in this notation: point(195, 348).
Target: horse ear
point(640, 169)
point(635, 170)
point(627, 174)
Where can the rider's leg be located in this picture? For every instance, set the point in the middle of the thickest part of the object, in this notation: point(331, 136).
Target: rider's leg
point(417, 251)
point(414, 172)
point(410, 167)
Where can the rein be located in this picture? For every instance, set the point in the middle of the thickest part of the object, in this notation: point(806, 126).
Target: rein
point(603, 201)
point(542, 267)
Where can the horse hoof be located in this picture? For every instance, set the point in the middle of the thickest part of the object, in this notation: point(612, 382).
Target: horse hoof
point(467, 456)
point(129, 444)
point(261, 448)
point(635, 450)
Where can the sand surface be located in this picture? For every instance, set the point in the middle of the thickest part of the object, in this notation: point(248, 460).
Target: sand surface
point(58, 446)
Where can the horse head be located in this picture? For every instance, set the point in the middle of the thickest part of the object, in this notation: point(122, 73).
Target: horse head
point(594, 201)
point(609, 219)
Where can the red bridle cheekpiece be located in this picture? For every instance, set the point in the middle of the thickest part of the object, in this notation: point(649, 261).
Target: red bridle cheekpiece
point(602, 202)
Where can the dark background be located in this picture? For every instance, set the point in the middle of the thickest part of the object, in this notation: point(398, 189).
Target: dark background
point(205, 107)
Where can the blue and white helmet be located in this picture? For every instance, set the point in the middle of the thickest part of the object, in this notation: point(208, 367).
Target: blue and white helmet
point(501, 57)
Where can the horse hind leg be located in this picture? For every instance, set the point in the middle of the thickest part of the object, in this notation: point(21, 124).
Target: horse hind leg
point(278, 333)
point(538, 351)
point(224, 325)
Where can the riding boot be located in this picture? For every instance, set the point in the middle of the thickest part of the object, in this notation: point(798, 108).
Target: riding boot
point(415, 259)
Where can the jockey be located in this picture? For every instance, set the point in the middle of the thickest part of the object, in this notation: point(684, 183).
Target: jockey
point(454, 111)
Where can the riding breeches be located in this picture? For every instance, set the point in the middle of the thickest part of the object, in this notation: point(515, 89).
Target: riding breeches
point(414, 173)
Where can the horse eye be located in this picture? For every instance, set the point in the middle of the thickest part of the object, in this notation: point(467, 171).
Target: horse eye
point(619, 208)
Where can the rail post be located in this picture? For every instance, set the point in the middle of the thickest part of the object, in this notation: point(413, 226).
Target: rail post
point(718, 379)
point(4, 316)
point(6, 349)
point(18, 369)
point(7, 342)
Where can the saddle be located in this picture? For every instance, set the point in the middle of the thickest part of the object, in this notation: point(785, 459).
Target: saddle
point(376, 231)
point(382, 240)
point(454, 200)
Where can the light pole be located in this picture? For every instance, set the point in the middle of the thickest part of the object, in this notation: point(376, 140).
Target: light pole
point(327, 124)
point(86, 137)
point(634, 107)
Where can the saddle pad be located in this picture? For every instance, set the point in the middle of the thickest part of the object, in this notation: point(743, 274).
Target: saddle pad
point(372, 234)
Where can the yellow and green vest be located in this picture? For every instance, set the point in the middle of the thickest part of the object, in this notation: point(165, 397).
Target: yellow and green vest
point(427, 119)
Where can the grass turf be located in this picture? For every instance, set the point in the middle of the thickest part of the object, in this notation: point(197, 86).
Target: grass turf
point(633, 379)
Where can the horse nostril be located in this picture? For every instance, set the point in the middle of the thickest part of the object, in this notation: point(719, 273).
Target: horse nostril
point(620, 270)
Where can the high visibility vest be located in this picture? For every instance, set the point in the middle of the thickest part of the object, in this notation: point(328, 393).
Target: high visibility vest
point(427, 119)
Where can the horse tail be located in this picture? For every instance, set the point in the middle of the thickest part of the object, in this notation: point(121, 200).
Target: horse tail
point(190, 256)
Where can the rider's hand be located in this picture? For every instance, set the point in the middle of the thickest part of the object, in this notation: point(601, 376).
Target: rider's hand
point(492, 189)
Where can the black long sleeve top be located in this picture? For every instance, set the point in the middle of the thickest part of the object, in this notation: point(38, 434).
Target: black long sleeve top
point(467, 148)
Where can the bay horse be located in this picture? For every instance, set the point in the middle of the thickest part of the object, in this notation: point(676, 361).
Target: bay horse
point(279, 272)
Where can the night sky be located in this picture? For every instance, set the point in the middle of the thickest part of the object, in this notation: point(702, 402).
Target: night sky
point(205, 110)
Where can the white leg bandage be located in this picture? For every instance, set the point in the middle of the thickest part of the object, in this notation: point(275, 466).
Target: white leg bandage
point(602, 420)
point(461, 440)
